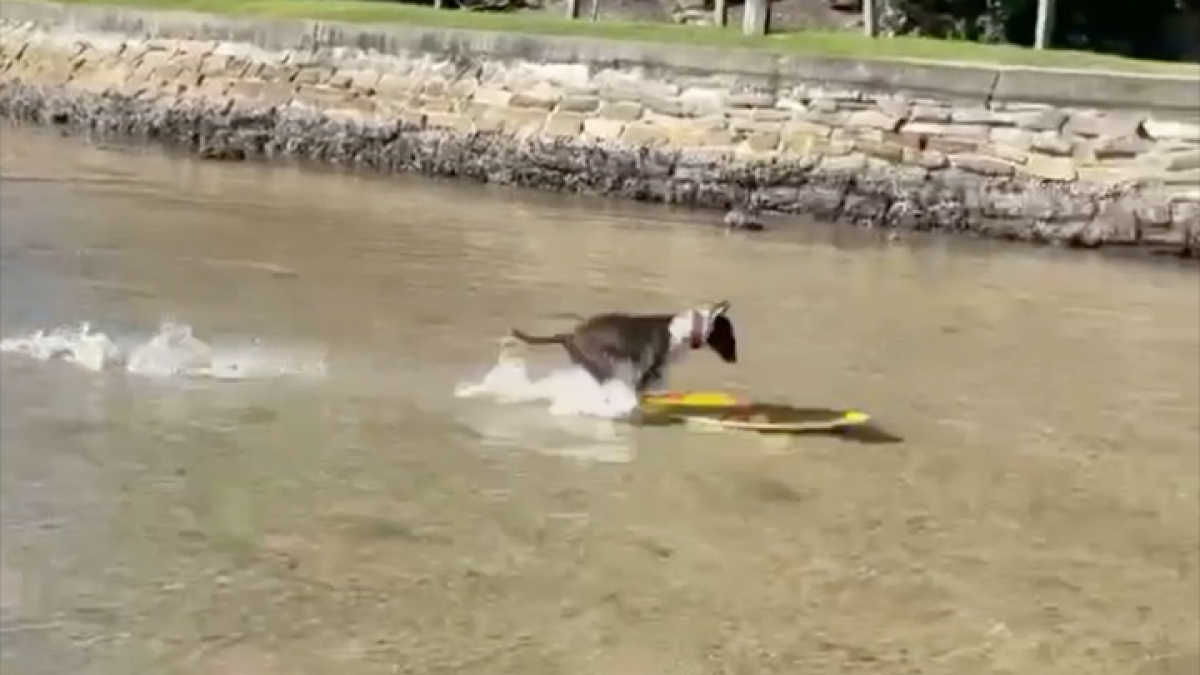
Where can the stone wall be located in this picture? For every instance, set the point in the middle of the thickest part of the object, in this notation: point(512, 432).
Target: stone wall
point(892, 159)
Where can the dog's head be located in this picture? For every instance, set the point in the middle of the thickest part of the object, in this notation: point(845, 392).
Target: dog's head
point(707, 325)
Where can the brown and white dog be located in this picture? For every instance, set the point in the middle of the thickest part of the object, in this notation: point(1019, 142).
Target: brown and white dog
point(643, 346)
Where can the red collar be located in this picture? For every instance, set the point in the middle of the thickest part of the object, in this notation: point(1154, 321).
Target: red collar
point(697, 336)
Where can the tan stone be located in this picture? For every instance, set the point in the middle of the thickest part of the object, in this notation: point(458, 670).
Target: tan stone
point(854, 163)
point(873, 119)
point(394, 86)
point(462, 89)
point(320, 96)
point(541, 97)
point(625, 111)
point(810, 129)
point(449, 120)
point(1093, 124)
point(491, 96)
point(564, 124)
point(1171, 130)
point(1012, 154)
point(1046, 119)
point(1051, 143)
point(982, 164)
point(698, 136)
point(1185, 160)
point(432, 104)
point(929, 113)
point(745, 125)
point(365, 80)
point(579, 104)
point(888, 152)
point(762, 141)
point(700, 101)
point(318, 75)
point(952, 145)
point(664, 105)
point(751, 99)
point(1111, 174)
point(357, 104)
point(603, 129)
point(926, 159)
point(516, 121)
point(968, 131)
point(1049, 168)
point(640, 133)
point(1189, 177)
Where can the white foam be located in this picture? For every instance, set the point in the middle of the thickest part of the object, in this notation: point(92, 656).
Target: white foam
point(173, 351)
point(570, 391)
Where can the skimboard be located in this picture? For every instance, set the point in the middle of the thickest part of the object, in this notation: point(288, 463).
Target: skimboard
point(726, 411)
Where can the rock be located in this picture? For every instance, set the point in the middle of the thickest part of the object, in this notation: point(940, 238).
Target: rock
point(743, 219)
point(1049, 168)
point(1182, 161)
point(873, 119)
point(849, 164)
point(1093, 124)
point(751, 99)
point(926, 159)
point(1052, 144)
point(1118, 148)
point(1190, 177)
point(1172, 130)
point(979, 116)
point(698, 102)
point(1019, 139)
point(982, 164)
point(579, 104)
point(626, 111)
point(762, 141)
point(889, 152)
point(566, 124)
point(962, 131)
point(522, 124)
point(1049, 120)
point(221, 153)
point(491, 96)
point(538, 98)
point(641, 133)
point(929, 113)
point(603, 129)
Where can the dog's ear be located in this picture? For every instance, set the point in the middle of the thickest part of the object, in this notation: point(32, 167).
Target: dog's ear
point(720, 308)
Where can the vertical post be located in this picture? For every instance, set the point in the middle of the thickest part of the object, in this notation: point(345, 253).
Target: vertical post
point(754, 20)
point(437, 4)
point(870, 18)
point(1045, 24)
point(572, 9)
point(720, 14)
point(595, 10)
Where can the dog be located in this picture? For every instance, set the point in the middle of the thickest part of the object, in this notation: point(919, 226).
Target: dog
point(643, 345)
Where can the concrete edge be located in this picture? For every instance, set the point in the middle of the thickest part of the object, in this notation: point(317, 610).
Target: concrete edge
point(1161, 95)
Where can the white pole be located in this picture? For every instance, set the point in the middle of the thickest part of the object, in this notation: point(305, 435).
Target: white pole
point(1045, 24)
point(754, 21)
point(869, 18)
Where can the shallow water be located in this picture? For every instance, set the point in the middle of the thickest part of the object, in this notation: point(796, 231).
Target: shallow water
point(311, 495)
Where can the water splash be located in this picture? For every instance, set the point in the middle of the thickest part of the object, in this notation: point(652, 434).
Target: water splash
point(570, 391)
point(75, 344)
point(173, 351)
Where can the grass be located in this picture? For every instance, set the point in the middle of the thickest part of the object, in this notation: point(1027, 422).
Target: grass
point(818, 43)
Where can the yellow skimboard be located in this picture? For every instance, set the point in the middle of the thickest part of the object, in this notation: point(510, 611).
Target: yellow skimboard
point(726, 411)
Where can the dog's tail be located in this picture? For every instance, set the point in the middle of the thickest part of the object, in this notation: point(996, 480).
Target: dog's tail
point(557, 339)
